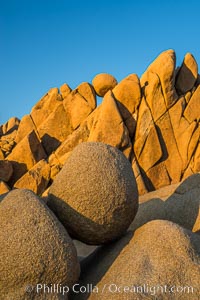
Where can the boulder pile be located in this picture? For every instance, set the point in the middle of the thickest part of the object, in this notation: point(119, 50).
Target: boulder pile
point(153, 120)
point(103, 202)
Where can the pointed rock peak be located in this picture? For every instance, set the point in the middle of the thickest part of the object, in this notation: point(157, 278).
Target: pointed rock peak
point(187, 74)
point(53, 91)
point(132, 77)
point(128, 92)
point(10, 125)
point(165, 58)
point(110, 103)
point(190, 61)
point(65, 90)
point(87, 91)
point(164, 66)
point(108, 126)
point(45, 106)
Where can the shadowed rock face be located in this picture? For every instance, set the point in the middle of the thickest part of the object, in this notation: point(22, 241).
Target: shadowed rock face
point(95, 195)
point(165, 140)
point(153, 120)
point(187, 74)
point(6, 170)
point(36, 179)
point(128, 96)
point(34, 246)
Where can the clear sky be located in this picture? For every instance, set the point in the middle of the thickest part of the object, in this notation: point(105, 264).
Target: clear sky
point(44, 43)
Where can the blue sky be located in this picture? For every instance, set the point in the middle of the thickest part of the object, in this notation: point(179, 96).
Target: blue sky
point(44, 43)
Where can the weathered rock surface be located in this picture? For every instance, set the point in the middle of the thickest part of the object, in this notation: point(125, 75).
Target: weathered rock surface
point(106, 200)
point(142, 189)
point(35, 248)
point(183, 132)
point(164, 137)
point(65, 90)
point(164, 67)
point(45, 106)
point(25, 155)
point(187, 74)
point(147, 147)
point(79, 104)
point(87, 91)
point(171, 155)
point(128, 96)
point(108, 126)
point(1, 155)
point(59, 157)
point(160, 255)
point(55, 129)
point(103, 82)
point(10, 126)
point(7, 144)
point(191, 112)
point(6, 170)
point(179, 203)
point(153, 94)
point(36, 179)
point(25, 127)
point(4, 188)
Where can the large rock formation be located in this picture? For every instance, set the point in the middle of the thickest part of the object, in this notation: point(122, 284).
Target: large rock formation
point(165, 141)
point(153, 120)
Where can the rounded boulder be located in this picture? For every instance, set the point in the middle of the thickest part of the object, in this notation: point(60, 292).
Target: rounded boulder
point(95, 194)
point(103, 82)
point(160, 260)
point(35, 248)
